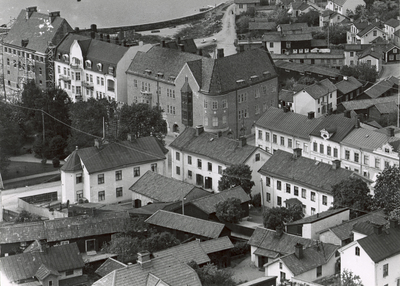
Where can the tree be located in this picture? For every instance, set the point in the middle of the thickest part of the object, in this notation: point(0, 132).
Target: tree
point(229, 210)
point(353, 193)
point(236, 175)
point(387, 189)
point(159, 241)
point(57, 146)
point(311, 18)
point(349, 279)
point(362, 72)
point(126, 247)
point(210, 275)
point(307, 80)
point(277, 216)
point(25, 216)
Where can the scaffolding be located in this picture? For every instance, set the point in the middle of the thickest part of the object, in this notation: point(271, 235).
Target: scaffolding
point(50, 78)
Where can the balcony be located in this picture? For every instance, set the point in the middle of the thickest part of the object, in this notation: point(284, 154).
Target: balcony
point(74, 66)
point(65, 78)
point(88, 85)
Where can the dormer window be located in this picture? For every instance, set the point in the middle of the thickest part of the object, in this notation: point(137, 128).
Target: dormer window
point(326, 134)
point(148, 72)
point(99, 66)
point(254, 77)
point(172, 78)
point(266, 73)
point(111, 70)
point(387, 150)
point(88, 64)
point(160, 75)
point(66, 58)
point(76, 61)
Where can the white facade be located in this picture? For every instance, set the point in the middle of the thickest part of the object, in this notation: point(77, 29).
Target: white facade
point(323, 149)
point(347, 5)
point(372, 35)
point(372, 61)
point(273, 47)
point(389, 31)
point(303, 103)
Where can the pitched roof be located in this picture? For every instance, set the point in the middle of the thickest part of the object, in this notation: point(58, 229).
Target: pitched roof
point(304, 171)
point(44, 271)
point(109, 266)
point(118, 154)
point(379, 88)
point(339, 2)
point(364, 227)
point(257, 25)
point(247, 1)
point(216, 245)
point(38, 29)
point(386, 107)
point(313, 257)
point(294, 26)
point(367, 103)
point(26, 265)
point(320, 88)
point(208, 203)
point(300, 6)
point(381, 246)
point(21, 232)
point(348, 85)
point(186, 252)
point(221, 149)
point(187, 224)
point(167, 268)
point(361, 25)
point(369, 28)
point(373, 51)
point(365, 139)
point(393, 23)
point(302, 67)
point(355, 47)
point(340, 124)
point(279, 37)
point(318, 216)
point(298, 125)
point(266, 239)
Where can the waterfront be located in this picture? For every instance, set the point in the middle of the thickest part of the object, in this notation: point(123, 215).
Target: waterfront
point(107, 13)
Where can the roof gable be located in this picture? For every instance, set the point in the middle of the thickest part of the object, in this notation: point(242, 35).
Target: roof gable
point(382, 246)
point(318, 216)
point(186, 252)
point(320, 88)
point(339, 123)
point(348, 84)
point(379, 88)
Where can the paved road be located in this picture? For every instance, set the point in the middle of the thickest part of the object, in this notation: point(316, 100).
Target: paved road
point(390, 70)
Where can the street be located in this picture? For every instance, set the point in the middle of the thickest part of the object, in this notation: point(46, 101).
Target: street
point(390, 70)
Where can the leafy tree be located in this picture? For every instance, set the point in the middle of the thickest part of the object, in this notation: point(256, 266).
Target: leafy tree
point(362, 72)
point(387, 189)
point(242, 24)
point(57, 145)
point(282, 17)
point(210, 275)
point(307, 80)
point(395, 213)
point(236, 175)
point(229, 210)
point(256, 200)
point(277, 216)
point(349, 279)
point(159, 241)
point(337, 34)
point(311, 18)
point(25, 216)
point(126, 247)
point(360, 12)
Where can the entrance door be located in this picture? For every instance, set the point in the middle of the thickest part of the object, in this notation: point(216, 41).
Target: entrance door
point(208, 183)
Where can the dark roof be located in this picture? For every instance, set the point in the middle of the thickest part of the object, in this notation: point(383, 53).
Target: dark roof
point(38, 29)
point(247, 1)
point(361, 25)
point(188, 45)
point(186, 224)
point(386, 107)
point(293, 26)
point(367, 103)
point(364, 227)
point(279, 37)
point(348, 85)
point(338, 122)
point(290, 123)
point(355, 47)
point(373, 51)
point(208, 203)
point(321, 88)
point(379, 88)
point(25, 265)
point(319, 43)
point(318, 216)
point(304, 171)
point(393, 23)
point(257, 25)
point(216, 245)
point(300, 6)
point(302, 67)
point(165, 189)
point(109, 266)
point(186, 252)
point(221, 149)
point(167, 269)
point(382, 246)
point(370, 27)
point(286, 95)
point(118, 154)
point(44, 271)
point(266, 239)
point(22, 232)
point(367, 139)
point(313, 257)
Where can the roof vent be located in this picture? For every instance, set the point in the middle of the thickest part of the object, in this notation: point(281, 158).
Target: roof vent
point(240, 81)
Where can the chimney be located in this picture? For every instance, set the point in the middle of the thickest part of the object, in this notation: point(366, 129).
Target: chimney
point(182, 47)
point(279, 231)
point(143, 259)
point(242, 141)
point(200, 52)
point(393, 223)
point(298, 250)
point(311, 115)
point(390, 131)
point(336, 164)
point(29, 12)
point(199, 129)
point(357, 124)
point(220, 53)
point(163, 44)
point(24, 42)
point(347, 114)
point(54, 15)
point(93, 34)
point(77, 29)
point(93, 27)
point(378, 229)
point(97, 143)
point(296, 153)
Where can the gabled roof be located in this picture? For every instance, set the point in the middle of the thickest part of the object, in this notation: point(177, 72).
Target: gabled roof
point(267, 239)
point(318, 216)
point(167, 268)
point(46, 270)
point(109, 266)
point(26, 265)
point(367, 103)
point(216, 245)
point(382, 246)
point(361, 25)
point(304, 171)
point(186, 252)
point(313, 257)
point(165, 189)
point(373, 51)
point(22, 232)
point(188, 45)
point(294, 124)
point(118, 154)
point(379, 88)
point(386, 107)
point(279, 37)
point(355, 47)
point(339, 2)
point(38, 29)
point(369, 28)
point(268, 26)
point(300, 6)
point(302, 67)
point(220, 149)
point(320, 89)
point(341, 125)
point(348, 85)
point(393, 23)
point(294, 26)
point(186, 224)
point(364, 227)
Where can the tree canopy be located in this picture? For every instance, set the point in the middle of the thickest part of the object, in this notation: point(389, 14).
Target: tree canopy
point(349, 279)
point(362, 71)
point(210, 275)
point(229, 210)
point(236, 175)
point(387, 189)
point(277, 216)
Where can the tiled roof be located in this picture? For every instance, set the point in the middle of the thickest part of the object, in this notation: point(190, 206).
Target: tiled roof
point(186, 252)
point(361, 25)
point(393, 23)
point(279, 37)
point(22, 232)
point(386, 107)
point(247, 1)
point(313, 257)
point(25, 265)
point(394, 80)
point(382, 246)
point(365, 139)
point(379, 88)
point(300, 6)
point(373, 51)
point(294, 26)
point(165, 189)
point(339, 123)
point(294, 124)
point(186, 224)
point(355, 47)
point(221, 149)
point(38, 29)
point(167, 268)
point(369, 28)
point(208, 203)
point(367, 103)
point(364, 227)
point(340, 2)
point(318, 216)
point(118, 154)
point(46, 270)
point(109, 266)
point(188, 45)
point(321, 88)
point(268, 240)
point(299, 67)
point(304, 171)
point(286, 95)
point(216, 245)
point(269, 26)
point(348, 85)
point(333, 54)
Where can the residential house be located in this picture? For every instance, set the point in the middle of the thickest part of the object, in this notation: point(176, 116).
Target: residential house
point(348, 89)
point(331, 18)
point(184, 45)
point(242, 6)
point(199, 157)
point(320, 98)
point(109, 266)
point(371, 56)
point(287, 43)
point(280, 130)
point(266, 245)
point(105, 172)
point(260, 25)
point(396, 37)
point(342, 233)
point(292, 28)
point(352, 52)
point(374, 258)
point(298, 8)
point(305, 265)
point(221, 94)
point(355, 28)
point(184, 227)
point(310, 226)
point(57, 265)
point(383, 88)
point(153, 188)
point(287, 176)
point(166, 270)
point(28, 49)
point(390, 51)
point(86, 67)
point(341, 6)
point(391, 26)
point(370, 33)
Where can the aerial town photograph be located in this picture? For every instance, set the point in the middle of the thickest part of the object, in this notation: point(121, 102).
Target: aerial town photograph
point(199, 143)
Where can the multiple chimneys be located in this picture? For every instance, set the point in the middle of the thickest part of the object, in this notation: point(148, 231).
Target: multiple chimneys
point(220, 53)
point(335, 164)
point(54, 15)
point(143, 259)
point(298, 250)
point(311, 115)
point(29, 12)
point(296, 153)
point(242, 141)
point(199, 129)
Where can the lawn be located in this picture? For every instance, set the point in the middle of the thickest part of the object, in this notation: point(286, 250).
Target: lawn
point(31, 182)
point(22, 169)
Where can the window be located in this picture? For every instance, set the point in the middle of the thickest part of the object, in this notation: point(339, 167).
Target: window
point(290, 143)
point(268, 181)
point(205, 103)
point(385, 270)
point(313, 196)
point(288, 188)
point(305, 147)
point(347, 155)
point(267, 136)
point(356, 157)
point(315, 147)
point(209, 166)
point(98, 80)
point(280, 265)
point(303, 193)
point(260, 134)
point(118, 175)
point(99, 66)
point(79, 195)
point(324, 200)
point(224, 119)
point(102, 195)
point(357, 251)
point(199, 163)
point(274, 138)
point(312, 211)
point(335, 152)
point(271, 44)
point(282, 141)
point(328, 150)
point(319, 271)
point(215, 121)
point(220, 170)
point(215, 105)
point(283, 276)
point(69, 272)
point(279, 201)
point(296, 191)
point(377, 163)
point(190, 174)
point(279, 185)
point(387, 165)
point(224, 103)
point(102, 81)
point(50, 282)
point(136, 171)
point(119, 192)
point(257, 157)
point(321, 148)
point(154, 167)
point(178, 170)
point(78, 76)
point(79, 178)
point(178, 156)
point(100, 179)
point(374, 33)
point(268, 197)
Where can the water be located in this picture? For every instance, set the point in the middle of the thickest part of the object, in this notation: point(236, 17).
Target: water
point(106, 13)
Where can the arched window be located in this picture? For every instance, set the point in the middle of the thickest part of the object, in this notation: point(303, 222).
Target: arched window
point(88, 64)
point(357, 251)
point(99, 66)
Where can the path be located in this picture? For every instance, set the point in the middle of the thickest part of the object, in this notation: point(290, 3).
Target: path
point(390, 70)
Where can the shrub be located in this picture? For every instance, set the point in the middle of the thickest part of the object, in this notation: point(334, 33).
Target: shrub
point(256, 200)
point(240, 248)
point(56, 162)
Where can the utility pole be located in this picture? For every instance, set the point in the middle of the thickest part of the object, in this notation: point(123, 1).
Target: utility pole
point(44, 137)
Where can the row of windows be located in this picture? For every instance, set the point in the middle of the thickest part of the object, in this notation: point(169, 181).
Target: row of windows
point(214, 104)
point(215, 121)
point(102, 194)
point(199, 163)
point(118, 174)
point(328, 150)
point(24, 54)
